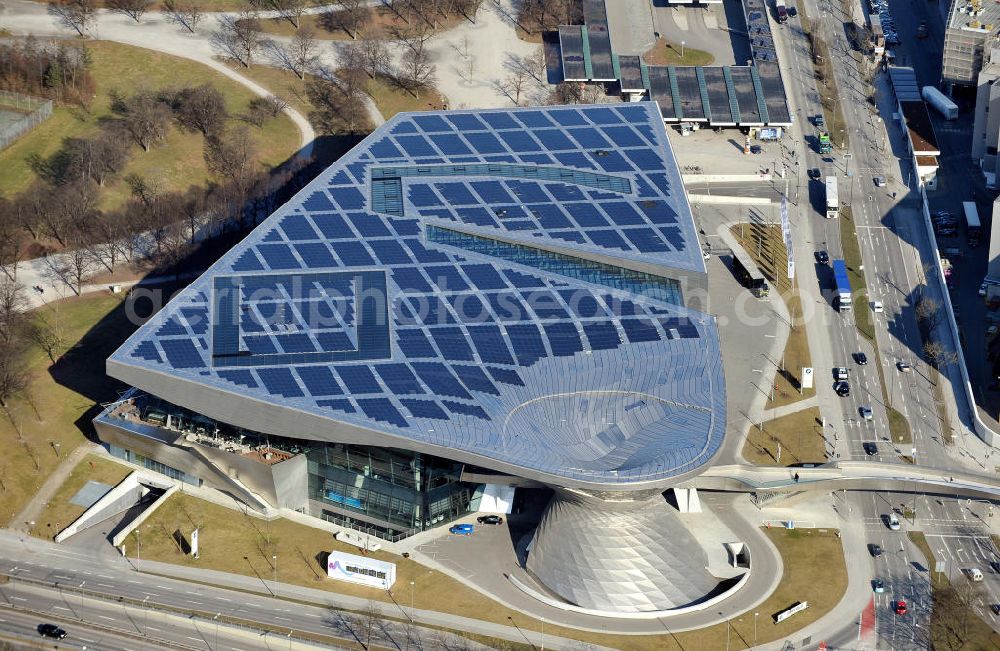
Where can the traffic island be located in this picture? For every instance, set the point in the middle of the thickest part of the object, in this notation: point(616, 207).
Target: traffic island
point(786, 441)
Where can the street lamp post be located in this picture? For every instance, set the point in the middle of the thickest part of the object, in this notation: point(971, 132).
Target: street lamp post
point(682, 49)
point(274, 564)
point(145, 616)
point(755, 628)
point(137, 551)
point(216, 620)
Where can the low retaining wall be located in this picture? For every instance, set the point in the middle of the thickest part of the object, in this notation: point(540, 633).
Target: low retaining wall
point(714, 198)
point(652, 614)
point(981, 429)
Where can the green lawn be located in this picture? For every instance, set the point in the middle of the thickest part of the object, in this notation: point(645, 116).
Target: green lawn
point(178, 162)
point(799, 435)
point(63, 395)
point(665, 53)
point(60, 512)
point(232, 542)
point(390, 99)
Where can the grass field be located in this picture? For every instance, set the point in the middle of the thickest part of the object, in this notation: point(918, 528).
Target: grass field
point(232, 542)
point(390, 99)
point(63, 395)
point(765, 245)
point(665, 53)
point(176, 163)
point(799, 435)
point(60, 512)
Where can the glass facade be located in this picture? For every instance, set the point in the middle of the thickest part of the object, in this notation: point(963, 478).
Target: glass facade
point(152, 464)
point(396, 492)
point(405, 490)
point(635, 282)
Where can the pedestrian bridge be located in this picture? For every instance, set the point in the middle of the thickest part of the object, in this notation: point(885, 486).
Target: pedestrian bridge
point(771, 486)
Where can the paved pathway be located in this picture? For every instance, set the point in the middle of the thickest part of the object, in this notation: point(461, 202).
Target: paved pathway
point(793, 408)
point(31, 511)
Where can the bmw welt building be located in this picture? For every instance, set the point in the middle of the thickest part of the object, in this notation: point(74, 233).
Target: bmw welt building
point(465, 302)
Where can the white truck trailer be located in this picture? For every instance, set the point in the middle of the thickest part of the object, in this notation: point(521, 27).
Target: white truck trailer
point(832, 202)
point(941, 102)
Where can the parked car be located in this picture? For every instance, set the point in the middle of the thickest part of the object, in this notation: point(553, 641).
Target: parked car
point(842, 388)
point(51, 631)
point(878, 585)
point(462, 529)
point(870, 448)
point(823, 257)
point(995, 608)
point(903, 367)
point(489, 519)
point(861, 359)
point(865, 411)
point(756, 149)
point(879, 181)
point(900, 607)
point(875, 550)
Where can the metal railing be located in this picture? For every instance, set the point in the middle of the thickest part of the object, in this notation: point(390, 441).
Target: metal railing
point(35, 112)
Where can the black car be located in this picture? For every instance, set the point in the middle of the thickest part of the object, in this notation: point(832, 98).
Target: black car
point(871, 449)
point(875, 550)
point(489, 519)
point(822, 257)
point(842, 388)
point(814, 173)
point(861, 359)
point(51, 631)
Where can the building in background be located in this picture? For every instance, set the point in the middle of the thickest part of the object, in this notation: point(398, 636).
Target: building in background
point(970, 32)
point(466, 302)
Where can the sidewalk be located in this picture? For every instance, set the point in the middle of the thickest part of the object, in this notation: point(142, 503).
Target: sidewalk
point(22, 521)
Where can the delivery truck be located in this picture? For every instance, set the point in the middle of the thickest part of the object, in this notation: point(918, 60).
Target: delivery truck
point(843, 285)
point(832, 201)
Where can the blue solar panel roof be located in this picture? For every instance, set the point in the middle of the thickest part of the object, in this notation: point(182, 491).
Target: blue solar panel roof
point(482, 298)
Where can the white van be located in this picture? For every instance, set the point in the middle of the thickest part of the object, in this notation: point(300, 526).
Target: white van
point(975, 574)
point(893, 522)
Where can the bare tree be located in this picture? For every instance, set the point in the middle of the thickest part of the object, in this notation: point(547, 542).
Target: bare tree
point(514, 85)
point(13, 305)
point(10, 237)
point(335, 108)
point(201, 109)
point(416, 71)
point(377, 59)
point(134, 9)
point(262, 109)
point(187, 13)
point(239, 37)
point(414, 35)
point(232, 156)
point(300, 55)
point(353, 14)
point(73, 14)
point(939, 356)
point(97, 158)
point(291, 10)
point(145, 118)
point(14, 378)
point(468, 8)
point(928, 312)
point(569, 92)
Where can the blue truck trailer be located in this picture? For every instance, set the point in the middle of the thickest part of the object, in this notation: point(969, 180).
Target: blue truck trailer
point(843, 285)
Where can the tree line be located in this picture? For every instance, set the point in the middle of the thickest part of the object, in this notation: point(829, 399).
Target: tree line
point(56, 72)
